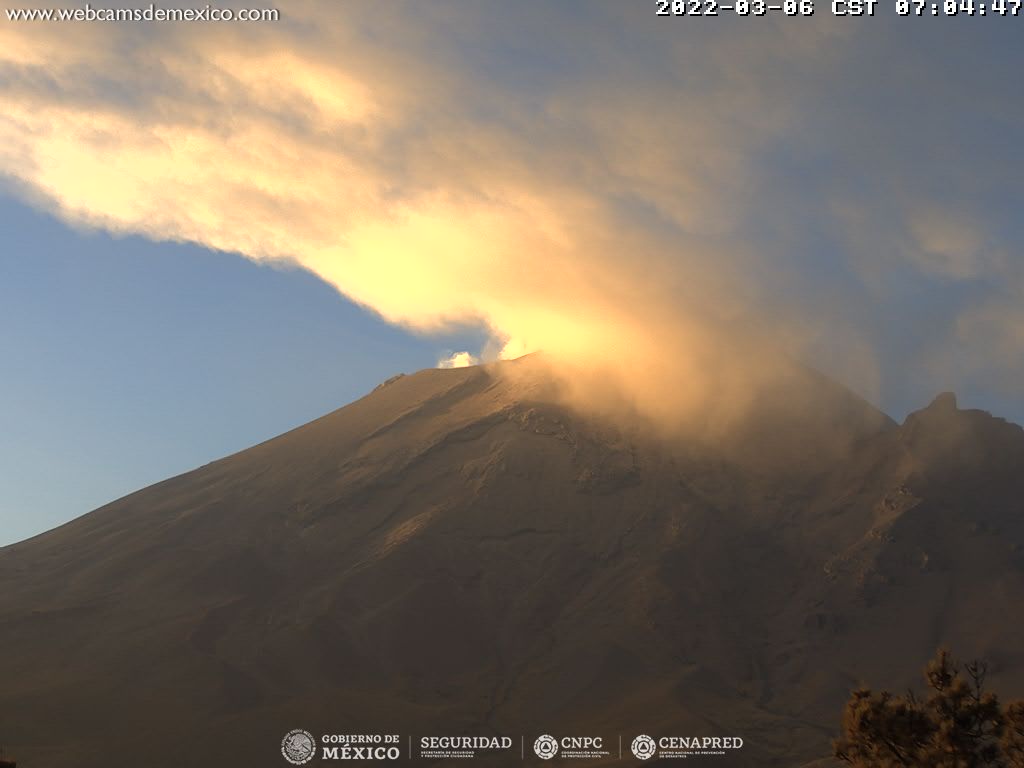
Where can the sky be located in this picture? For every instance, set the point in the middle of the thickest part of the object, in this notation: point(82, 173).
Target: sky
point(214, 232)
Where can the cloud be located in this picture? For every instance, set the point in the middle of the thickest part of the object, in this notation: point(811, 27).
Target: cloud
point(620, 190)
point(458, 360)
point(948, 245)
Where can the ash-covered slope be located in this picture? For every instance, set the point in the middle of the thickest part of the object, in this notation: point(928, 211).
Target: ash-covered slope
point(456, 553)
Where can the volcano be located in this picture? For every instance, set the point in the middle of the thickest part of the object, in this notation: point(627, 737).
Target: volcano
point(460, 552)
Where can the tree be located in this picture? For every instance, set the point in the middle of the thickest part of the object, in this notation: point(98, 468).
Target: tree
point(1013, 734)
point(959, 725)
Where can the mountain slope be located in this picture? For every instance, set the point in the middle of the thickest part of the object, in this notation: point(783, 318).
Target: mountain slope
point(457, 552)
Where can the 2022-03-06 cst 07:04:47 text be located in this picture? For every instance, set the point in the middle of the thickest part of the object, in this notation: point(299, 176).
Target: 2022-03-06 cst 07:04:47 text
point(679, 8)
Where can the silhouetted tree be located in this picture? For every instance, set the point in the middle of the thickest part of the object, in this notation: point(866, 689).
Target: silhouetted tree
point(959, 725)
point(1012, 741)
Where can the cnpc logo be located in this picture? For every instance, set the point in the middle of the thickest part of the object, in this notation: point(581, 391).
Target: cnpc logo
point(547, 746)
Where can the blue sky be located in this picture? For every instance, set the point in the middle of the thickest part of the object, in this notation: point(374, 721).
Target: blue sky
point(127, 361)
point(215, 232)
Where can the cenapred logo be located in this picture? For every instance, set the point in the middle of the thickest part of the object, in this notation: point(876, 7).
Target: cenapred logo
point(546, 747)
point(298, 746)
point(643, 747)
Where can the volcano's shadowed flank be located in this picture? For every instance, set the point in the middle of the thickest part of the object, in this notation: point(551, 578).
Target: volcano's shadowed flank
point(455, 553)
